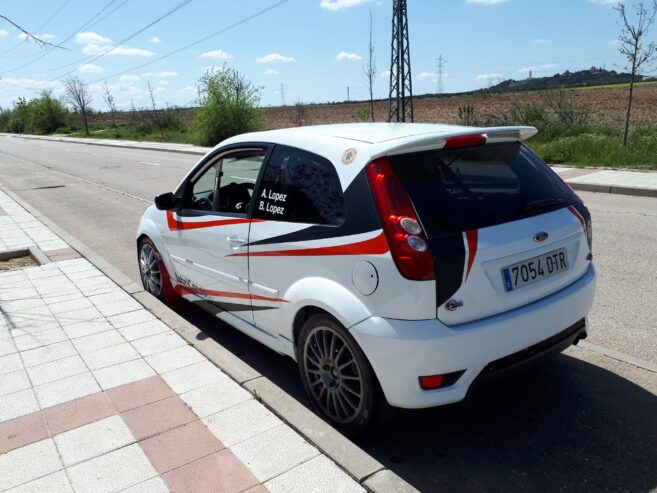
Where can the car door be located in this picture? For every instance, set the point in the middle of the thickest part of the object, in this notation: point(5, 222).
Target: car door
point(206, 234)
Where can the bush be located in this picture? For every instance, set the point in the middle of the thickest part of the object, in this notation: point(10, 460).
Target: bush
point(467, 114)
point(42, 115)
point(228, 106)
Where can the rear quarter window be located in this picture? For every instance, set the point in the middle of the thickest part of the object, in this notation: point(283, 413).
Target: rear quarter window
point(299, 186)
point(463, 189)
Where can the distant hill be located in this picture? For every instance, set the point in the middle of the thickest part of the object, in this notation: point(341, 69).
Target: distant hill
point(591, 77)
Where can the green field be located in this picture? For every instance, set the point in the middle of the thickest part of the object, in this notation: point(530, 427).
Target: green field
point(129, 132)
point(626, 85)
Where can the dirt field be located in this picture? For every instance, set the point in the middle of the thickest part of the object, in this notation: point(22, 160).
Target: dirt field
point(605, 106)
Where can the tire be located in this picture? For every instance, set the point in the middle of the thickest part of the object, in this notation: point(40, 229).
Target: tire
point(337, 377)
point(154, 275)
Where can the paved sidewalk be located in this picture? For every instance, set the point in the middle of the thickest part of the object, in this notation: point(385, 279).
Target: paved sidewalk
point(97, 395)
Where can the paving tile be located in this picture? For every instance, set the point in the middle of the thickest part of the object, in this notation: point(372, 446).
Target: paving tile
point(46, 354)
point(320, 472)
point(28, 463)
point(154, 485)
point(139, 393)
point(180, 446)
point(158, 343)
point(257, 489)
point(69, 306)
point(89, 343)
point(109, 356)
point(157, 417)
point(39, 339)
point(213, 398)
point(78, 412)
point(220, 472)
point(118, 307)
point(131, 318)
point(113, 297)
point(144, 329)
point(112, 472)
point(10, 363)
point(241, 422)
point(22, 431)
point(7, 346)
point(175, 358)
point(130, 371)
point(92, 440)
point(273, 452)
point(17, 404)
point(56, 370)
point(66, 389)
point(13, 382)
point(194, 376)
point(56, 482)
point(75, 316)
point(88, 327)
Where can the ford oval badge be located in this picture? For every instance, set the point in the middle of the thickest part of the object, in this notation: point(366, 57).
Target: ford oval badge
point(539, 237)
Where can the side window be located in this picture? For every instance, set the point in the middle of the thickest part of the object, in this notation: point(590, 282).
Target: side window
point(226, 184)
point(300, 187)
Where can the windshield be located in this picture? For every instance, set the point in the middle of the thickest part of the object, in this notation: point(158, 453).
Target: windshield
point(463, 189)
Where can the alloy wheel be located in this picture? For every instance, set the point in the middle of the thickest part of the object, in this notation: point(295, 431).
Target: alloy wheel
point(150, 270)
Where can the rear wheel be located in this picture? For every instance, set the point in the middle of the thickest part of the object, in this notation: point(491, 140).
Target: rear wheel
point(337, 377)
point(154, 275)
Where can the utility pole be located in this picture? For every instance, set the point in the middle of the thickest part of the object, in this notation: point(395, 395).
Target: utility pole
point(441, 73)
point(347, 93)
point(401, 88)
point(282, 94)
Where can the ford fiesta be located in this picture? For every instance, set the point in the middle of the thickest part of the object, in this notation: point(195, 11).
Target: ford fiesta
point(396, 263)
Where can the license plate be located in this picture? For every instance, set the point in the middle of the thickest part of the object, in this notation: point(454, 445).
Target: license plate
point(534, 269)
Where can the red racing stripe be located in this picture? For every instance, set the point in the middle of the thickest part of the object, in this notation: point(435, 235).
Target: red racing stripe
point(374, 246)
point(176, 225)
point(182, 290)
point(472, 238)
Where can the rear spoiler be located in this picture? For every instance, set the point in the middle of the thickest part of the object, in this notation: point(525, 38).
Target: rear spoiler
point(489, 135)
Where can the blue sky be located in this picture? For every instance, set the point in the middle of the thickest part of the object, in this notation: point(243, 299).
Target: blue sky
point(312, 47)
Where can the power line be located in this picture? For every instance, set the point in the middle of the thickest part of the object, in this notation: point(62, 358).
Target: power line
point(83, 26)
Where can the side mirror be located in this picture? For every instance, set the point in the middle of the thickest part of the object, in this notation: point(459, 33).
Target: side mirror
point(166, 201)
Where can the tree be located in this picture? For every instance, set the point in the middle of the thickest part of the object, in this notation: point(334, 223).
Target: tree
point(369, 70)
point(109, 101)
point(155, 113)
point(228, 105)
point(78, 96)
point(30, 36)
point(632, 38)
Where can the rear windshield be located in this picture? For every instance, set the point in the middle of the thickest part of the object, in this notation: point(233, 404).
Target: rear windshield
point(462, 189)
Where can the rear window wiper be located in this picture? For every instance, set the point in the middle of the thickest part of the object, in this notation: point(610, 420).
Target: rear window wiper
point(542, 204)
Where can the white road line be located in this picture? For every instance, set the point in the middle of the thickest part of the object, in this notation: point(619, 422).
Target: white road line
point(148, 162)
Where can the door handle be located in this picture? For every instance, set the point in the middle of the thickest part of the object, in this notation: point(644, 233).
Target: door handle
point(235, 242)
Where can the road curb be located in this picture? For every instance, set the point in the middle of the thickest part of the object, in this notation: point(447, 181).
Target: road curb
point(365, 469)
point(108, 144)
point(617, 355)
point(593, 187)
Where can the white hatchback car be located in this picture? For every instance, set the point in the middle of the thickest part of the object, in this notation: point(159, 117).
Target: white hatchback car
point(398, 263)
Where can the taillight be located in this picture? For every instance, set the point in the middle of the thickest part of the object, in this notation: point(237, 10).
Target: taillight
point(406, 239)
point(468, 140)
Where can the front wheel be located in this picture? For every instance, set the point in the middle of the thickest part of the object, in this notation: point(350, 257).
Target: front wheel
point(337, 377)
point(154, 274)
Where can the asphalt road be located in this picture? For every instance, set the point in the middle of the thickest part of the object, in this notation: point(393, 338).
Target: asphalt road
point(582, 423)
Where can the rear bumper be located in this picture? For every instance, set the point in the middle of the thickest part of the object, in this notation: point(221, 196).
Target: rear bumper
point(402, 350)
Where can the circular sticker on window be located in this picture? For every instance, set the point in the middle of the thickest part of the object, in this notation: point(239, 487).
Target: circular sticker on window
point(349, 156)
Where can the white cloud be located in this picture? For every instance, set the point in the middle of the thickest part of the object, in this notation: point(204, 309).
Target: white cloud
point(94, 49)
point(486, 2)
point(614, 42)
point(491, 78)
point(538, 68)
point(385, 73)
point(335, 5)
point(187, 90)
point(90, 68)
point(155, 40)
point(217, 54)
point(164, 73)
point(91, 37)
point(158, 90)
point(427, 76)
point(3, 33)
point(271, 71)
point(44, 37)
point(275, 57)
point(343, 55)
point(542, 41)
point(129, 78)
point(163, 83)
